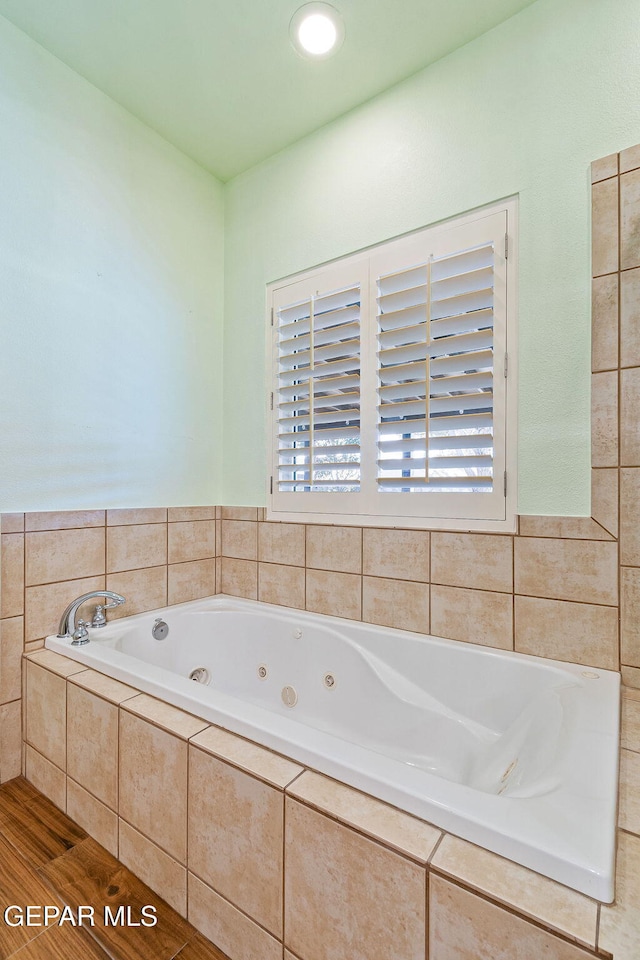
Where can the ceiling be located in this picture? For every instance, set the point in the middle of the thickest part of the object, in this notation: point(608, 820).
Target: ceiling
point(221, 81)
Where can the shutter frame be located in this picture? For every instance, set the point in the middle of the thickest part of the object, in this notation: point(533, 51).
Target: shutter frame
point(445, 510)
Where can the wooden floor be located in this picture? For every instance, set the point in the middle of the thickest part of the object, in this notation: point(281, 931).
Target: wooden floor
point(46, 859)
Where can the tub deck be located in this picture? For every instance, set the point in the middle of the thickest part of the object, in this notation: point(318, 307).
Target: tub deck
point(516, 754)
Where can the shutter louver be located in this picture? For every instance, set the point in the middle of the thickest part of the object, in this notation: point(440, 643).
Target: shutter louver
point(435, 375)
point(318, 393)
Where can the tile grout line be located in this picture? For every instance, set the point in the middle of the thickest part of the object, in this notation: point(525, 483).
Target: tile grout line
point(236, 765)
point(187, 831)
point(295, 779)
point(427, 893)
point(362, 575)
point(284, 861)
point(619, 485)
point(91, 576)
point(438, 843)
point(629, 833)
point(369, 835)
point(513, 591)
point(524, 915)
point(235, 906)
point(619, 472)
point(612, 537)
point(430, 582)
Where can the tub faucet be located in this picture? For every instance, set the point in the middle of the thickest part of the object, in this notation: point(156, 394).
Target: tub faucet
point(78, 632)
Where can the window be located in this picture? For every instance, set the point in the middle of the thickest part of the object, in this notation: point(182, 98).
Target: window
point(392, 388)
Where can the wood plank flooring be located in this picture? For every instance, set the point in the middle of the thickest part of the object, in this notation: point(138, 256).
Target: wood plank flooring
point(45, 858)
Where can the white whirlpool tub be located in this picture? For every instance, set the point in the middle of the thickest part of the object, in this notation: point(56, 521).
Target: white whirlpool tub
point(515, 753)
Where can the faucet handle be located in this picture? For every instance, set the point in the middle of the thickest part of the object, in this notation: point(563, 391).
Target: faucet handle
point(115, 603)
point(98, 619)
point(81, 633)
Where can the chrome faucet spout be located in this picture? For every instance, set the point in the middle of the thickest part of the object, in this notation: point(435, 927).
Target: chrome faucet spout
point(67, 626)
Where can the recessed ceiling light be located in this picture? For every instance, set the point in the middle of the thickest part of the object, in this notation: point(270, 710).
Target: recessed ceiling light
point(317, 31)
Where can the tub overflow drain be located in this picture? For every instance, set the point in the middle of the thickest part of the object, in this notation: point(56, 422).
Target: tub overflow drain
point(160, 629)
point(289, 696)
point(329, 680)
point(200, 675)
point(262, 671)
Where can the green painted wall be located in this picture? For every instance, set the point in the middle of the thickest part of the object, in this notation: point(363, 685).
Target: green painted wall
point(112, 259)
point(522, 110)
point(111, 284)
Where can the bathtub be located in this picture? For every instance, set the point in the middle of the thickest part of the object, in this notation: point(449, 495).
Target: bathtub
point(514, 753)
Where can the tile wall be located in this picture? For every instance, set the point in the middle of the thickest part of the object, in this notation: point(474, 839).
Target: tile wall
point(151, 556)
point(502, 591)
point(616, 372)
point(272, 861)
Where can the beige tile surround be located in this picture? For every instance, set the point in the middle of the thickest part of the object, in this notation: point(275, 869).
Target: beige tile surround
point(269, 859)
point(497, 590)
point(152, 556)
point(503, 591)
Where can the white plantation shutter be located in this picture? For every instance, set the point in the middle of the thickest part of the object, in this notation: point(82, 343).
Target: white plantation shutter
point(435, 369)
point(317, 333)
point(390, 370)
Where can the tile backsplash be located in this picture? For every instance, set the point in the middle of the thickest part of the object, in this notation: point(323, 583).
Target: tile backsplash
point(551, 590)
point(549, 596)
